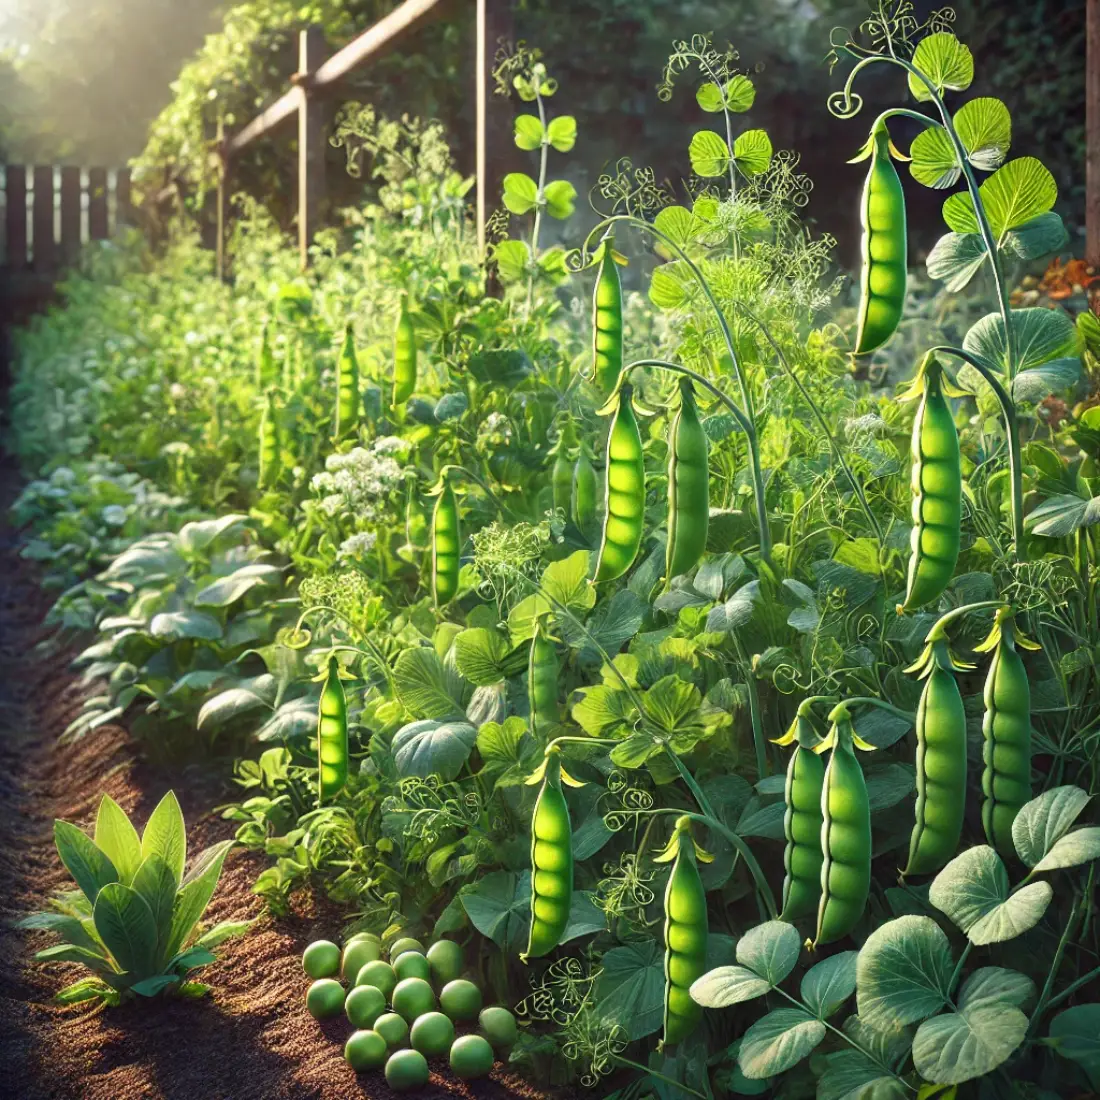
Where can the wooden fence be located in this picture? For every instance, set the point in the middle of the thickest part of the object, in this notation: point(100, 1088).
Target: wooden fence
point(317, 77)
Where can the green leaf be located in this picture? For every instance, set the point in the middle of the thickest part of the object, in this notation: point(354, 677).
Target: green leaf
point(602, 708)
point(709, 97)
point(1041, 335)
point(191, 958)
point(959, 1046)
point(177, 625)
point(91, 957)
point(777, 1042)
point(740, 94)
point(227, 590)
point(851, 1076)
point(127, 928)
point(156, 882)
point(1080, 846)
point(166, 835)
point(512, 259)
point(562, 133)
point(903, 973)
point(87, 989)
point(117, 839)
point(728, 985)
point(501, 745)
point(1017, 192)
point(948, 64)
point(222, 931)
point(826, 986)
point(671, 703)
point(770, 950)
point(498, 906)
point(150, 987)
point(665, 289)
point(198, 888)
point(678, 224)
point(934, 162)
point(421, 683)
point(69, 928)
point(83, 859)
point(1040, 236)
point(529, 132)
point(709, 154)
point(567, 582)
point(985, 128)
point(631, 987)
point(996, 985)
point(521, 193)
point(585, 917)
point(481, 654)
point(201, 534)
point(1043, 821)
point(1030, 387)
point(1062, 515)
point(1075, 1034)
point(752, 152)
point(428, 747)
point(972, 890)
point(248, 695)
point(560, 198)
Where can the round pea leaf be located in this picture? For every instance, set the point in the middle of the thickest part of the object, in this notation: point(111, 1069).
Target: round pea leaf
point(770, 950)
point(934, 162)
point(560, 198)
point(959, 1046)
point(826, 986)
point(728, 985)
point(778, 1041)
point(948, 64)
point(1075, 1034)
point(520, 192)
point(710, 155)
point(1044, 820)
point(529, 132)
point(903, 972)
point(752, 152)
point(985, 128)
point(562, 133)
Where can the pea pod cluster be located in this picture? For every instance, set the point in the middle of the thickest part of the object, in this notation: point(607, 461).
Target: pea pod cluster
point(446, 544)
point(270, 458)
point(940, 759)
point(937, 488)
point(1006, 732)
point(845, 832)
point(802, 820)
point(404, 356)
point(332, 734)
point(624, 516)
point(688, 487)
point(542, 680)
point(884, 245)
point(347, 387)
point(551, 858)
point(607, 320)
point(685, 933)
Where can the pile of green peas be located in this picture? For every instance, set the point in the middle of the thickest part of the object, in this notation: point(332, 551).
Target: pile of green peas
point(406, 1009)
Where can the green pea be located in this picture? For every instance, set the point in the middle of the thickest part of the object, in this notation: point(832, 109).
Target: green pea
point(270, 457)
point(404, 356)
point(446, 542)
point(882, 211)
point(607, 321)
point(688, 487)
point(624, 518)
point(937, 490)
point(332, 734)
point(802, 821)
point(542, 680)
point(685, 906)
point(585, 491)
point(551, 860)
point(267, 374)
point(940, 762)
point(347, 387)
point(1006, 732)
point(845, 833)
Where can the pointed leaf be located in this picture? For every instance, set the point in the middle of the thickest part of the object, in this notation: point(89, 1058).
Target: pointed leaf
point(156, 882)
point(117, 838)
point(826, 986)
point(728, 985)
point(83, 859)
point(770, 950)
point(631, 987)
point(165, 835)
point(126, 925)
point(195, 895)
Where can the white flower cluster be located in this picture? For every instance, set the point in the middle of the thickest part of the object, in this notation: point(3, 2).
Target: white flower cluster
point(357, 546)
point(355, 482)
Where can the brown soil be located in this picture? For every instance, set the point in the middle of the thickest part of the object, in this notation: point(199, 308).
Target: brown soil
point(252, 1037)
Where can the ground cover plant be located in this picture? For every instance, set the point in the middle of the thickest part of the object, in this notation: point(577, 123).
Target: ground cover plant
point(642, 639)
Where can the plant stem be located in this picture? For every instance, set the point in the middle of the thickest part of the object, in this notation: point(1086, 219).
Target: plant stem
point(1044, 997)
point(539, 204)
point(690, 782)
point(937, 631)
point(1072, 988)
point(660, 1076)
point(882, 705)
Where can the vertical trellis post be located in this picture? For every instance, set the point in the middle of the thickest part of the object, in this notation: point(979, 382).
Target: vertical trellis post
point(311, 139)
point(494, 23)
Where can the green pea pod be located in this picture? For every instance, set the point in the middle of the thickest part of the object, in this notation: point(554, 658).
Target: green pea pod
point(882, 211)
point(347, 387)
point(404, 356)
point(551, 858)
point(1006, 732)
point(937, 488)
point(542, 680)
point(446, 543)
point(845, 833)
point(332, 734)
point(624, 516)
point(685, 933)
point(802, 821)
point(940, 760)
point(607, 321)
point(267, 374)
point(585, 492)
point(561, 474)
point(688, 487)
point(269, 444)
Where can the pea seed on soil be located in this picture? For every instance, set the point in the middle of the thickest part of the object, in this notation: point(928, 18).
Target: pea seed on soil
point(252, 1037)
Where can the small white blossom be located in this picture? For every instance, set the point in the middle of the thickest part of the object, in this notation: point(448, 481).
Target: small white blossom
point(358, 545)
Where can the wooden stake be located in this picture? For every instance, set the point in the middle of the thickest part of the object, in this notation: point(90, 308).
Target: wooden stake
point(311, 140)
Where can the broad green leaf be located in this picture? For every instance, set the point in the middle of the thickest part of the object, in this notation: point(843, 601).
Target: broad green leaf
point(1031, 386)
point(562, 133)
point(770, 950)
point(480, 655)
point(1041, 335)
point(567, 582)
point(296, 718)
point(1044, 820)
point(229, 589)
point(826, 986)
point(250, 695)
point(201, 534)
point(165, 835)
point(193, 957)
point(1075, 1034)
point(851, 1076)
point(613, 623)
point(740, 93)
point(728, 985)
point(985, 128)
point(222, 931)
point(1062, 515)
point(156, 882)
point(709, 97)
point(903, 972)
point(560, 198)
point(521, 193)
point(736, 611)
point(631, 987)
point(428, 747)
point(1018, 191)
point(529, 133)
point(585, 917)
point(752, 152)
point(502, 745)
point(665, 289)
point(91, 957)
point(117, 839)
point(677, 223)
point(1040, 236)
point(601, 708)
point(126, 925)
point(777, 1042)
point(959, 1046)
point(972, 890)
point(150, 987)
point(934, 162)
point(69, 928)
point(83, 859)
point(488, 703)
point(421, 683)
point(498, 907)
point(995, 985)
point(1080, 846)
point(198, 888)
point(948, 64)
point(709, 154)
point(512, 259)
point(177, 625)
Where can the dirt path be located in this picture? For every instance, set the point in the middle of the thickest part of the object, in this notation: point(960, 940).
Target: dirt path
point(252, 1038)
